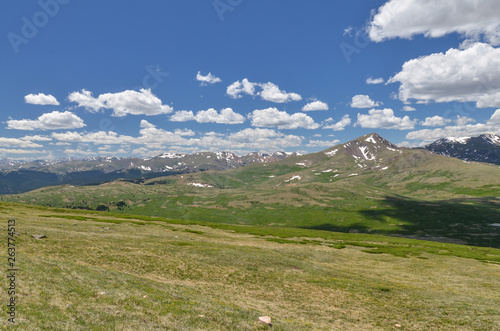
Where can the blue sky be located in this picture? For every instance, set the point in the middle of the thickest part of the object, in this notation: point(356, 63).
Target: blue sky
point(141, 78)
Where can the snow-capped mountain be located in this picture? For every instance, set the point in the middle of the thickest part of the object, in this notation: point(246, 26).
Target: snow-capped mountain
point(19, 176)
point(484, 148)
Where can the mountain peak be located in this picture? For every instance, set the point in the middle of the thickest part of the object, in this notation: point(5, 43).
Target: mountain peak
point(483, 148)
point(376, 139)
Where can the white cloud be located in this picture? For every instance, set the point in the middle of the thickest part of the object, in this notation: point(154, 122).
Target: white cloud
point(226, 116)
point(384, 119)
point(208, 79)
point(321, 143)
point(237, 88)
point(182, 116)
point(262, 139)
point(270, 91)
point(184, 132)
point(272, 117)
point(363, 101)
point(495, 118)
point(469, 75)
point(315, 105)
point(97, 138)
point(36, 138)
point(50, 121)
point(131, 102)
point(5, 151)
point(373, 81)
point(41, 99)
point(18, 142)
point(340, 125)
point(463, 120)
point(145, 124)
point(435, 121)
point(429, 135)
point(408, 108)
point(436, 18)
point(85, 99)
point(155, 139)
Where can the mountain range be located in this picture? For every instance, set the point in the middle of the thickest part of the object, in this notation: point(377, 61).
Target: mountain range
point(21, 176)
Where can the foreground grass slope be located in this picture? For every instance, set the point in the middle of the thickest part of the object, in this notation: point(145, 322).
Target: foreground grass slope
point(106, 271)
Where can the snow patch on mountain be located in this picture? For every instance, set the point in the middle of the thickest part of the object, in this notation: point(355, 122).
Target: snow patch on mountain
point(331, 153)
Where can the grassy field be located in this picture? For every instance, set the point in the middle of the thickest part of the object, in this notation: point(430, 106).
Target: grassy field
point(341, 206)
point(112, 271)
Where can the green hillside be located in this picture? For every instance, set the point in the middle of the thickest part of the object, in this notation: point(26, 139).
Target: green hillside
point(108, 271)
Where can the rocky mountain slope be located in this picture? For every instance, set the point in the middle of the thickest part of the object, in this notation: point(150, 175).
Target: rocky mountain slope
point(484, 148)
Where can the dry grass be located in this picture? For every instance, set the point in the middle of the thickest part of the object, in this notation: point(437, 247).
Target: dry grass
point(158, 276)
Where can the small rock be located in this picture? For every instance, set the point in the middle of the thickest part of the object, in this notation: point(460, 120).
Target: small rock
point(265, 320)
point(39, 236)
point(107, 228)
point(99, 294)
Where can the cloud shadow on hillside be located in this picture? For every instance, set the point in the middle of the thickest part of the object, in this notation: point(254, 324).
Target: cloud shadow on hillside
point(468, 220)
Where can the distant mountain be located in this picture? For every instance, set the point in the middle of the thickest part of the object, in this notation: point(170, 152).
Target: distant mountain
point(22, 176)
point(484, 148)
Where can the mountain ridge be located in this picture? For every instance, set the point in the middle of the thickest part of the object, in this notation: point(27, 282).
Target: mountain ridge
point(482, 148)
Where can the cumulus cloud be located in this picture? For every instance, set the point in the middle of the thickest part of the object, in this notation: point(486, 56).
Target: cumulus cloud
point(363, 101)
point(97, 138)
point(373, 81)
point(123, 103)
point(384, 119)
point(152, 138)
point(208, 79)
point(18, 142)
point(408, 108)
point(183, 116)
point(41, 99)
point(262, 139)
point(50, 121)
point(469, 75)
point(315, 105)
point(322, 143)
point(495, 118)
point(5, 151)
point(463, 120)
point(340, 125)
point(236, 89)
point(226, 116)
point(269, 91)
point(435, 121)
point(272, 117)
point(429, 135)
point(436, 18)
